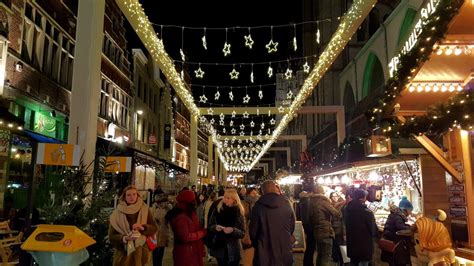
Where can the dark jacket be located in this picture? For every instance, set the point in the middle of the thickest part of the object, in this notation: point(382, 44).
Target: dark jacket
point(272, 223)
point(320, 216)
point(360, 231)
point(396, 221)
point(188, 248)
point(227, 246)
point(304, 209)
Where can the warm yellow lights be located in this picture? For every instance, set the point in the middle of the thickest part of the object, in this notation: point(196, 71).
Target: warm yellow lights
point(454, 49)
point(135, 14)
point(435, 87)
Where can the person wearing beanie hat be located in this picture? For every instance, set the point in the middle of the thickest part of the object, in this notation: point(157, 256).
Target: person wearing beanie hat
point(405, 204)
point(188, 247)
point(397, 221)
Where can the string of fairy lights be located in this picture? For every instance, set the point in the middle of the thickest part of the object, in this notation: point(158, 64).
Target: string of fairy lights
point(243, 158)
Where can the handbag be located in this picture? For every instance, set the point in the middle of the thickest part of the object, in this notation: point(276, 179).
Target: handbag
point(388, 245)
point(345, 258)
point(246, 242)
point(151, 242)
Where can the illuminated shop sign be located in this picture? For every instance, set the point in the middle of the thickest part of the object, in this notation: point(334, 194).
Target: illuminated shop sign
point(425, 14)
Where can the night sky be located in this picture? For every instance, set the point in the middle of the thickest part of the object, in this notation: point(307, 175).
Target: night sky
point(195, 15)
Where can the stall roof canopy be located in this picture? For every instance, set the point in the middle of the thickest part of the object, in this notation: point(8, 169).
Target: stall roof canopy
point(144, 159)
point(363, 165)
point(41, 138)
point(442, 68)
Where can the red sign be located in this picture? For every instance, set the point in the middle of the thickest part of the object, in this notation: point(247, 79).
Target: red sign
point(151, 139)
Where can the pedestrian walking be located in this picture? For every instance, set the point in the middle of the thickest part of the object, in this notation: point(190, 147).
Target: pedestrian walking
point(159, 209)
point(271, 228)
point(339, 229)
point(248, 203)
point(360, 229)
point(304, 207)
point(188, 249)
point(227, 227)
point(130, 225)
point(320, 216)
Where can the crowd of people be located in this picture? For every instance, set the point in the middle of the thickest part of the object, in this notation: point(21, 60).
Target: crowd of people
point(240, 227)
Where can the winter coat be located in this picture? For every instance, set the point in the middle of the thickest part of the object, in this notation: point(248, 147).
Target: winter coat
point(304, 209)
point(396, 221)
point(162, 235)
point(360, 231)
point(272, 223)
point(227, 246)
point(338, 222)
point(188, 248)
point(321, 213)
point(142, 254)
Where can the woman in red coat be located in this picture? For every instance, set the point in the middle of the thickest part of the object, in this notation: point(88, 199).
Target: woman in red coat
point(188, 247)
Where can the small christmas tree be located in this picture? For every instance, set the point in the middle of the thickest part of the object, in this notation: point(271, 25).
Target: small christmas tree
point(84, 199)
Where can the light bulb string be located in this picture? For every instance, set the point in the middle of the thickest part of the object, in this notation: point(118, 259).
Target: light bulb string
point(247, 28)
point(233, 87)
point(248, 63)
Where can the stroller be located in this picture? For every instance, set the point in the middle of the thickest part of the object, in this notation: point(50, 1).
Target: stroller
point(433, 242)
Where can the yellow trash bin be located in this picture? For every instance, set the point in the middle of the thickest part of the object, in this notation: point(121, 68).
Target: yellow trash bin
point(58, 245)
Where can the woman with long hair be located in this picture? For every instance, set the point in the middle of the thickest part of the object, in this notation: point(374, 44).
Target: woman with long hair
point(227, 226)
point(130, 224)
point(188, 247)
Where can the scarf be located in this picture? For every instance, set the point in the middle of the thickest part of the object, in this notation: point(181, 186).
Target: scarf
point(118, 220)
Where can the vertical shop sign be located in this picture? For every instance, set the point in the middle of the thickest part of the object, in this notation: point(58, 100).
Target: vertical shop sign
point(167, 136)
point(4, 142)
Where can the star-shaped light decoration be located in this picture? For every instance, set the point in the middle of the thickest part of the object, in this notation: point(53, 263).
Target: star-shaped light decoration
point(224, 131)
point(231, 96)
point(226, 49)
point(262, 126)
point(306, 67)
point(252, 124)
point(270, 71)
point(217, 95)
point(289, 95)
point(231, 123)
point(221, 122)
point(246, 114)
point(246, 99)
point(242, 127)
point(183, 57)
point(234, 113)
point(212, 121)
point(281, 109)
point(248, 41)
point(234, 74)
point(288, 73)
point(233, 138)
point(218, 136)
point(233, 132)
point(272, 121)
point(260, 94)
point(199, 73)
point(203, 99)
point(272, 46)
point(204, 42)
point(210, 111)
point(222, 116)
point(242, 133)
point(202, 119)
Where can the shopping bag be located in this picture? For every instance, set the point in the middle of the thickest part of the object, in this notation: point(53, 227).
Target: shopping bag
point(388, 245)
point(343, 249)
point(151, 242)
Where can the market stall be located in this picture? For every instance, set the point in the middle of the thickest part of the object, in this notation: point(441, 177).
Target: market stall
point(386, 181)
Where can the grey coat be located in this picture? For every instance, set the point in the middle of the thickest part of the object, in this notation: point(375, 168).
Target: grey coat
point(272, 223)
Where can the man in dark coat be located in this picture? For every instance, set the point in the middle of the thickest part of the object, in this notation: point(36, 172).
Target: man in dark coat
point(271, 228)
point(360, 229)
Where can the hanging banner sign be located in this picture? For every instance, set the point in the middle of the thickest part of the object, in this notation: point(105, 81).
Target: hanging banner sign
point(58, 154)
point(425, 14)
point(118, 164)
